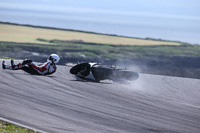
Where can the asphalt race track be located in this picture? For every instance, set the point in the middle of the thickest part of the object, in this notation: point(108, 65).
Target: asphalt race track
point(60, 104)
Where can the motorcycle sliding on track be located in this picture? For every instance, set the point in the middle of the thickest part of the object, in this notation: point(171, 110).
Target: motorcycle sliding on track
point(96, 72)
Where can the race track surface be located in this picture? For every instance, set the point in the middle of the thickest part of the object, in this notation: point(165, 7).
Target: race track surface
point(60, 104)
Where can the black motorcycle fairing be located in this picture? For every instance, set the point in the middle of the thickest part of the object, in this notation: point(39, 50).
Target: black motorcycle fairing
point(101, 72)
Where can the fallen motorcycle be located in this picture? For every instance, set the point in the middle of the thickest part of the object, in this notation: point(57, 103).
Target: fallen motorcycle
point(97, 72)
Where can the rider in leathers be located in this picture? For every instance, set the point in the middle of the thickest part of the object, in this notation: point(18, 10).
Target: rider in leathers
point(29, 66)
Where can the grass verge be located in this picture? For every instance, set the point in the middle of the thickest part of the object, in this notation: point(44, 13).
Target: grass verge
point(2, 57)
point(6, 127)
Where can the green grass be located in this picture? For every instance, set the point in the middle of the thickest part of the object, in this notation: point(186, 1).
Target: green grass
point(95, 50)
point(11, 128)
point(2, 57)
point(29, 34)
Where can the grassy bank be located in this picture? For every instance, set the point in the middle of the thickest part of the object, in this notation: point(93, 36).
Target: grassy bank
point(29, 34)
point(6, 127)
point(95, 50)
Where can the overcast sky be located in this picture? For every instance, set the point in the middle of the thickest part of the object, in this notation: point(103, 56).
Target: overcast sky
point(190, 8)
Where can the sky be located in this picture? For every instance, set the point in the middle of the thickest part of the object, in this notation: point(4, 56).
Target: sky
point(155, 14)
point(170, 7)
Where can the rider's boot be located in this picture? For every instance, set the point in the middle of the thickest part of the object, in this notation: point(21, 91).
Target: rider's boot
point(12, 64)
point(3, 64)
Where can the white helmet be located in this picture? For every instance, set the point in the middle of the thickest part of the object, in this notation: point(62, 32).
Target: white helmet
point(53, 58)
